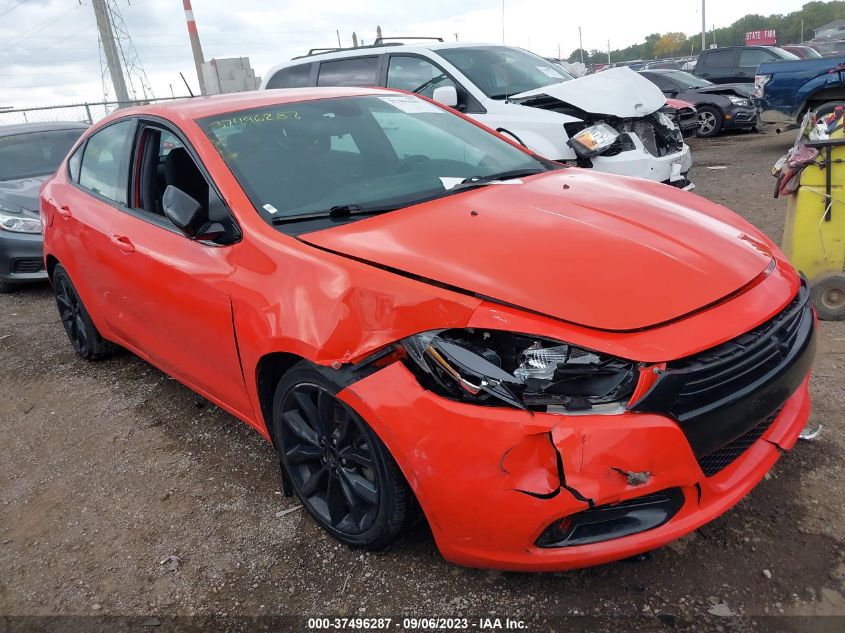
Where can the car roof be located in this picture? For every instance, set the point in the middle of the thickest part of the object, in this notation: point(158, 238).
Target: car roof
point(372, 51)
point(25, 128)
point(200, 107)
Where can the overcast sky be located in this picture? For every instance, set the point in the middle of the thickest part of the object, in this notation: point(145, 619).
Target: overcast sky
point(49, 52)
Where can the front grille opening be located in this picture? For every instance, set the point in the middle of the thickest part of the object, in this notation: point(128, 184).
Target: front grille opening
point(27, 265)
point(716, 461)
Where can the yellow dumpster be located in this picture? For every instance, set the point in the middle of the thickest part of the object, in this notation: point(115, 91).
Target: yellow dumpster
point(814, 234)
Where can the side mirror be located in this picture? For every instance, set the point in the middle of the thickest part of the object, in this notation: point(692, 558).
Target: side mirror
point(447, 95)
point(188, 216)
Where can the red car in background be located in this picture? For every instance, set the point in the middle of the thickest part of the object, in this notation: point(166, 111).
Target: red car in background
point(557, 367)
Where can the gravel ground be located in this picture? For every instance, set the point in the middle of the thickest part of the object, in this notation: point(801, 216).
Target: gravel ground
point(123, 493)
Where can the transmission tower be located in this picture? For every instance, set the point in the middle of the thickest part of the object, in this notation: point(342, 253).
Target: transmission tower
point(119, 60)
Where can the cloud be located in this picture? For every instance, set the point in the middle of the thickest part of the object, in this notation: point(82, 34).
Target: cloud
point(49, 48)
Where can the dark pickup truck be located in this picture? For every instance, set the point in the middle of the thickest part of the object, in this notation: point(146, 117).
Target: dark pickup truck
point(785, 90)
point(736, 64)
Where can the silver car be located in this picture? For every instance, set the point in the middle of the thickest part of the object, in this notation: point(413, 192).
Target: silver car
point(29, 153)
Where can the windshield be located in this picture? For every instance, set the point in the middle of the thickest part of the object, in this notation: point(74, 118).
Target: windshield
point(500, 71)
point(687, 80)
point(369, 152)
point(34, 153)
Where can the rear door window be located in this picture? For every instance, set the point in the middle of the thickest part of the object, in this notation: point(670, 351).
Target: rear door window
point(357, 71)
point(291, 77)
point(719, 59)
point(105, 163)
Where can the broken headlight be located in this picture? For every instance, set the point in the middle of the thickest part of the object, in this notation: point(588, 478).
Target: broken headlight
point(593, 140)
point(493, 367)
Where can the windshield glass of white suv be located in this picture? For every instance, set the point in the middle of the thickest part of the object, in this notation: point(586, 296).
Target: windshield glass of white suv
point(34, 154)
point(358, 154)
point(500, 71)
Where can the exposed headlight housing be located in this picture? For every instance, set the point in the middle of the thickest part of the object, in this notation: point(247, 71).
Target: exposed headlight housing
point(760, 82)
point(494, 367)
point(741, 101)
point(593, 140)
point(17, 223)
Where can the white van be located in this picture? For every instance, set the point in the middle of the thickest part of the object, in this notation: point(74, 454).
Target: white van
point(612, 121)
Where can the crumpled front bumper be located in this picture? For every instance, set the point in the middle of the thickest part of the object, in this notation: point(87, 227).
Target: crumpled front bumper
point(489, 482)
point(639, 163)
point(21, 257)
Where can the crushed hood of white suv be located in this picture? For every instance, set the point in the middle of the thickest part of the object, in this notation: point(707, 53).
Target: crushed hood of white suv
point(619, 92)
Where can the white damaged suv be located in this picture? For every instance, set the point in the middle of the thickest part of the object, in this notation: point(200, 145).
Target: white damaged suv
point(614, 121)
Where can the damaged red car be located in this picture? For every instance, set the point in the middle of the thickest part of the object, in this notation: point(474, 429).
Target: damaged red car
point(555, 367)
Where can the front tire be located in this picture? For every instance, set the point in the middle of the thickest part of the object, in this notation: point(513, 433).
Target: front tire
point(709, 122)
point(83, 335)
point(338, 467)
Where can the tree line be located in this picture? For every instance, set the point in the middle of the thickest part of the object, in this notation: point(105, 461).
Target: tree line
point(676, 44)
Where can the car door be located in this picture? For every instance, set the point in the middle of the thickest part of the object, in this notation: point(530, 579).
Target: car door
point(719, 66)
point(171, 293)
point(86, 208)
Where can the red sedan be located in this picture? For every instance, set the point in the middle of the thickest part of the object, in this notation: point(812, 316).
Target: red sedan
point(556, 367)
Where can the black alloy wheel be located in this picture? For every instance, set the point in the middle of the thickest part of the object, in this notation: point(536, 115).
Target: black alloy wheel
point(339, 469)
point(83, 335)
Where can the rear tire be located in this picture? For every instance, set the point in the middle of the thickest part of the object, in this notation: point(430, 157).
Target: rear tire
point(828, 296)
point(83, 335)
point(709, 122)
point(338, 467)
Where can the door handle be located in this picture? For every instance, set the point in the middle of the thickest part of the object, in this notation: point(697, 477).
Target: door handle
point(63, 210)
point(123, 243)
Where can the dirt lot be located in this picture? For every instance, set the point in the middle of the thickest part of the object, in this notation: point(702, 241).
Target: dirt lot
point(108, 469)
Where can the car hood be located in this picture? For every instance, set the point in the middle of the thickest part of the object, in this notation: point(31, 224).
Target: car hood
point(618, 92)
point(21, 195)
point(602, 251)
point(741, 90)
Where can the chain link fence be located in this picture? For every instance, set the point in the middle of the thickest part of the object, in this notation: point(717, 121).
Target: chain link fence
point(81, 112)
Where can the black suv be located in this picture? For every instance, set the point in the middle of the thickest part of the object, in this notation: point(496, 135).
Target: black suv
point(736, 64)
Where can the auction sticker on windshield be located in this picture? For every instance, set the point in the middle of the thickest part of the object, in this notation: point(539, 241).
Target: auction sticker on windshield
point(411, 105)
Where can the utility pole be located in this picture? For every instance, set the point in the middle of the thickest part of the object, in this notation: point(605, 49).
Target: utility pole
point(195, 43)
point(354, 40)
point(339, 45)
point(580, 45)
point(802, 31)
point(503, 22)
point(110, 50)
point(608, 51)
point(703, 28)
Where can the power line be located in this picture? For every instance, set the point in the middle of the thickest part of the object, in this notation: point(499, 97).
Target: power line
point(13, 8)
point(38, 29)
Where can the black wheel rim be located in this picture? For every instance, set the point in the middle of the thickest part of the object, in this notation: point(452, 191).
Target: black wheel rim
point(70, 311)
point(330, 459)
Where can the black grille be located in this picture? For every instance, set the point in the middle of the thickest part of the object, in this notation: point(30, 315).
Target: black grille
point(741, 359)
point(27, 265)
point(721, 458)
point(721, 394)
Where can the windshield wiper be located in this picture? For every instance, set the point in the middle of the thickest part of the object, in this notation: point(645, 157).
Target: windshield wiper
point(492, 179)
point(337, 211)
